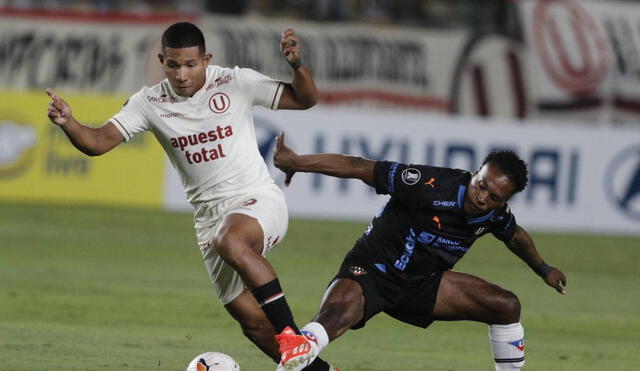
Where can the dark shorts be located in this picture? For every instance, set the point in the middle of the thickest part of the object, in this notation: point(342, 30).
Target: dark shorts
point(409, 301)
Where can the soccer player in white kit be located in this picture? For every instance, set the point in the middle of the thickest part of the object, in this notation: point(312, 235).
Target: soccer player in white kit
point(202, 116)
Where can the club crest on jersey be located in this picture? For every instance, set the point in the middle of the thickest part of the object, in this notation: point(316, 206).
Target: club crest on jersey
point(219, 103)
point(518, 344)
point(411, 176)
point(357, 271)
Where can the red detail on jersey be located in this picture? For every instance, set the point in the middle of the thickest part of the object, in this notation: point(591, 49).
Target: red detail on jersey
point(250, 202)
point(162, 99)
point(430, 182)
point(200, 138)
point(437, 221)
point(219, 103)
point(219, 81)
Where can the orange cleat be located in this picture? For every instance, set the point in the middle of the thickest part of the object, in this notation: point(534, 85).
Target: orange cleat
point(296, 351)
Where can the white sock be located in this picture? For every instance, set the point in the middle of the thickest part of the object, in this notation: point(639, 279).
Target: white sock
point(317, 330)
point(507, 343)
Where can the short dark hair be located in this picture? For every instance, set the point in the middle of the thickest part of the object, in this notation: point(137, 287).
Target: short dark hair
point(183, 35)
point(512, 166)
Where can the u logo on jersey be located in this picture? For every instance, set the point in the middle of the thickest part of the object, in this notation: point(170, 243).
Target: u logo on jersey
point(219, 103)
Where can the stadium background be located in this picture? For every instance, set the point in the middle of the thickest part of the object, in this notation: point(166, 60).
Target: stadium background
point(438, 82)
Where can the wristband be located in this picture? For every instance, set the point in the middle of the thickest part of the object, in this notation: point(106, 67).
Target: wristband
point(542, 269)
point(297, 64)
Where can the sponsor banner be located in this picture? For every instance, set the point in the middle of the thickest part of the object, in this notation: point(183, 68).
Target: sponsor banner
point(39, 164)
point(581, 178)
point(584, 56)
point(78, 55)
point(352, 65)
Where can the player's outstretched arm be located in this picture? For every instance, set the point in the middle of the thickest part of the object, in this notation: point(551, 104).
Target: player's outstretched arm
point(88, 140)
point(522, 245)
point(336, 165)
point(302, 92)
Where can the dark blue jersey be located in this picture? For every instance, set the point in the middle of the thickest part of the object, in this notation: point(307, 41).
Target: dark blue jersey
point(424, 227)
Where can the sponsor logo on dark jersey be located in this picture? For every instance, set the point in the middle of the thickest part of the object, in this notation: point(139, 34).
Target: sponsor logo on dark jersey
point(357, 270)
point(439, 242)
point(411, 176)
point(444, 203)
point(431, 182)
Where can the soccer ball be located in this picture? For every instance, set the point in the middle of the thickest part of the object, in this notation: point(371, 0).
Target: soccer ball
point(213, 361)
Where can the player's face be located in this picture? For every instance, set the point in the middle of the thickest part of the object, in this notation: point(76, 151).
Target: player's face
point(489, 189)
point(185, 68)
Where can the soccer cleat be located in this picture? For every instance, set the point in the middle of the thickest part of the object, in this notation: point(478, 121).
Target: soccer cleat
point(332, 368)
point(296, 351)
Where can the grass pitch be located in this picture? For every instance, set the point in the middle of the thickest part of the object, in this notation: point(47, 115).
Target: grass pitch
point(112, 289)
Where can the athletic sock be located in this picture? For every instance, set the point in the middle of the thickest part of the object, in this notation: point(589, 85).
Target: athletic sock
point(507, 343)
point(271, 298)
point(317, 331)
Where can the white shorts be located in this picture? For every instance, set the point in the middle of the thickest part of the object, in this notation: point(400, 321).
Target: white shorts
point(266, 205)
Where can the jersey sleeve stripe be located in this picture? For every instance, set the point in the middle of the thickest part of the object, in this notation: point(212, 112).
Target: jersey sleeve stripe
point(391, 185)
point(124, 130)
point(276, 97)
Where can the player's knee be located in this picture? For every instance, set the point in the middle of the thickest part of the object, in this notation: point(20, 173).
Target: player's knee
point(508, 308)
point(229, 246)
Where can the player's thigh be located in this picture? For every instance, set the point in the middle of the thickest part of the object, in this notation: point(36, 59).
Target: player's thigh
point(463, 296)
point(262, 218)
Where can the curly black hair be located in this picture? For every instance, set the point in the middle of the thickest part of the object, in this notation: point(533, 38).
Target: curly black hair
point(512, 166)
point(183, 35)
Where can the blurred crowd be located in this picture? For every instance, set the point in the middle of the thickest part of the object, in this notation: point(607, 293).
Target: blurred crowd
point(477, 14)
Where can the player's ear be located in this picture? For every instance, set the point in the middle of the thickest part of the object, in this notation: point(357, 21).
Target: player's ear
point(207, 58)
point(161, 58)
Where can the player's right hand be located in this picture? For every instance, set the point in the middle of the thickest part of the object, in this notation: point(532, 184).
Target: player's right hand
point(283, 158)
point(556, 279)
point(59, 112)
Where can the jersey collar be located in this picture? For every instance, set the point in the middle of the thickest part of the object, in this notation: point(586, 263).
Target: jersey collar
point(462, 190)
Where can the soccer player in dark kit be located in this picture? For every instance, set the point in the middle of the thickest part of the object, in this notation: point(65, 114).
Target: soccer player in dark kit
point(402, 263)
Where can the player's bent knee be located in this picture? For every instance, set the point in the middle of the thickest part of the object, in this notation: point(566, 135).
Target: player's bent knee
point(229, 246)
point(508, 308)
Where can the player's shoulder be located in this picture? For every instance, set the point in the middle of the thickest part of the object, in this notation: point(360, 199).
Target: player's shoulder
point(443, 172)
point(219, 77)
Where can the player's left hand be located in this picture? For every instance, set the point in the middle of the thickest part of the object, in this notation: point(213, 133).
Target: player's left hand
point(557, 280)
point(290, 46)
point(283, 158)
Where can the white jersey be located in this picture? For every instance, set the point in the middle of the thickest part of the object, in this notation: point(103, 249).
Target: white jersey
point(209, 137)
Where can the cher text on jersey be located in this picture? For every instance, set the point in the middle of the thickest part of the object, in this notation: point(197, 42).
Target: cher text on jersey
point(203, 153)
